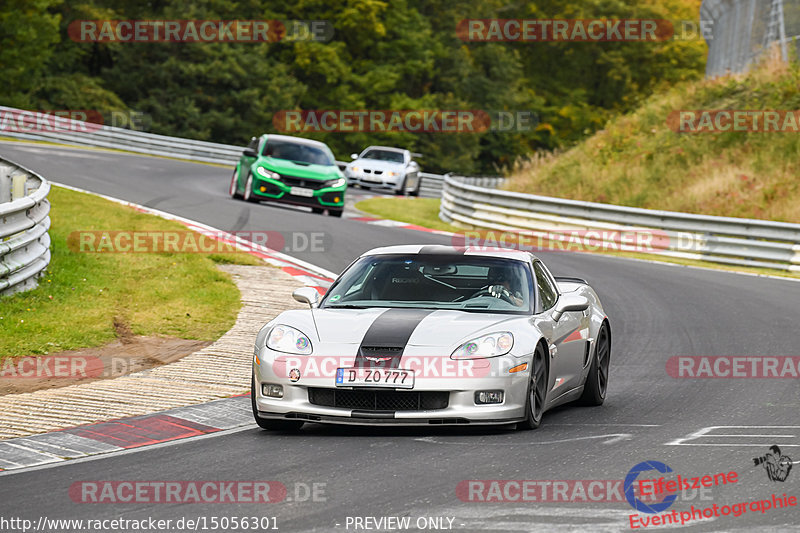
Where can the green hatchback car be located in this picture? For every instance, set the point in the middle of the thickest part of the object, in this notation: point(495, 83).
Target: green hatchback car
point(290, 170)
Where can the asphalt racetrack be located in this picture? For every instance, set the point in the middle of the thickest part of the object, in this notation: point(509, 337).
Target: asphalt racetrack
point(657, 311)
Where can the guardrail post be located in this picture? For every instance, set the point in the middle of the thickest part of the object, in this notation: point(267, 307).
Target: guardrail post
point(18, 182)
point(5, 184)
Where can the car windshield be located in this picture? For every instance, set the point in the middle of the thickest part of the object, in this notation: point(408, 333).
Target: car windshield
point(383, 155)
point(297, 152)
point(478, 284)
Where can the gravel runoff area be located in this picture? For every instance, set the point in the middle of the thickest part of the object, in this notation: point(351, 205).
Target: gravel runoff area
point(219, 370)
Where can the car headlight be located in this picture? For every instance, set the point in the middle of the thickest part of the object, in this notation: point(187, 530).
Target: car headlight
point(263, 172)
point(288, 339)
point(492, 345)
point(336, 183)
point(392, 174)
point(355, 169)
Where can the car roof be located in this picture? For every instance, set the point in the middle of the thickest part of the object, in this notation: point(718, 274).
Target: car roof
point(439, 249)
point(298, 140)
point(389, 148)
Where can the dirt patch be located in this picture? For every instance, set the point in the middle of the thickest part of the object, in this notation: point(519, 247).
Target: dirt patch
point(128, 354)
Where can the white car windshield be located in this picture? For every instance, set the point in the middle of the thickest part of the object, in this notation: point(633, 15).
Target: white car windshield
point(383, 155)
point(478, 284)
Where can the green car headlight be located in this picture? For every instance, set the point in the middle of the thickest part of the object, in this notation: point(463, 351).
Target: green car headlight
point(265, 173)
point(336, 183)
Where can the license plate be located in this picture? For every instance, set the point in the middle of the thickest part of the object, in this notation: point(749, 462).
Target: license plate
point(396, 378)
point(300, 191)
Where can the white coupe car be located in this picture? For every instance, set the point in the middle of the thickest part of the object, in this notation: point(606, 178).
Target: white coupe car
point(431, 335)
point(387, 168)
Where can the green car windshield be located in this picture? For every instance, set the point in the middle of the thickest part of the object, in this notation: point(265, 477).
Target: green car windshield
point(479, 284)
point(298, 153)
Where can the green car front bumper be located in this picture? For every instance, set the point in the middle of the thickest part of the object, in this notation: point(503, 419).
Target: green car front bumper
point(307, 192)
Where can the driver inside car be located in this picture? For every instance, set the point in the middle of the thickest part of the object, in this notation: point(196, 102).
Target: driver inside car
point(500, 284)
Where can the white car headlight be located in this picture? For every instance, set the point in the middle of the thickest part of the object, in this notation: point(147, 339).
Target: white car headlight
point(492, 345)
point(336, 183)
point(268, 173)
point(288, 339)
point(392, 174)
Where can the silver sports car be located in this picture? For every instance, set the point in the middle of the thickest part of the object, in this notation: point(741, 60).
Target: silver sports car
point(421, 335)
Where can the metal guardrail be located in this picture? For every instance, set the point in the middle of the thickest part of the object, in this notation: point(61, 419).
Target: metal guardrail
point(24, 221)
point(41, 127)
point(727, 240)
point(432, 184)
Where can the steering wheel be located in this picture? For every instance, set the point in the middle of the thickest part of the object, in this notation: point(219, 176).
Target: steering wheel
point(504, 294)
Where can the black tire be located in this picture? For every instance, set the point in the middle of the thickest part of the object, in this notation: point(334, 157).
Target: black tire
point(335, 212)
point(415, 192)
point(402, 190)
point(596, 386)
point(273, 425)
point(317, 210)
point(234, 188)
point(537, 391)
point(248, 189)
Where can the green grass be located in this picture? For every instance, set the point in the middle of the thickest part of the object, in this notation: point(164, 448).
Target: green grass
point(638, 160)
point(425, 212)
point(419, 211)
point(82, 295)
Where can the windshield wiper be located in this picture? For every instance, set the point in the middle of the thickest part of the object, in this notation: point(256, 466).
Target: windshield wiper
point(346, 306)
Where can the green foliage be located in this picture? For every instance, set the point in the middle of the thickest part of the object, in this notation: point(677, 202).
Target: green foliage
point(403, 54)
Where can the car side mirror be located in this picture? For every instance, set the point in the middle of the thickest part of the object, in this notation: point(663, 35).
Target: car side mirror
point(307, 295)
point(570, 302)
point(353, 156)
point(249, 152)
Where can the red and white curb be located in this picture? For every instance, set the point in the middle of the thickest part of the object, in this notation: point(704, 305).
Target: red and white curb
point(401, 225)
point(125, 433)
point(174, 424)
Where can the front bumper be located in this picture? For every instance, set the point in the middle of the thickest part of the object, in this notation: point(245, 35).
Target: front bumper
point(372, 180)
point(327, 197)
point(461, 406)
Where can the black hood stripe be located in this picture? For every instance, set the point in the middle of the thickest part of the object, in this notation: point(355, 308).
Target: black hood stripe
point(386, 339)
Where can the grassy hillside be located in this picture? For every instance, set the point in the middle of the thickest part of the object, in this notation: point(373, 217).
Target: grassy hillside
point(638, 160)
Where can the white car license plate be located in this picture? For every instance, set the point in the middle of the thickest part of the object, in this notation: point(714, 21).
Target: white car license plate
point(300, 191)
point(396, 378)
